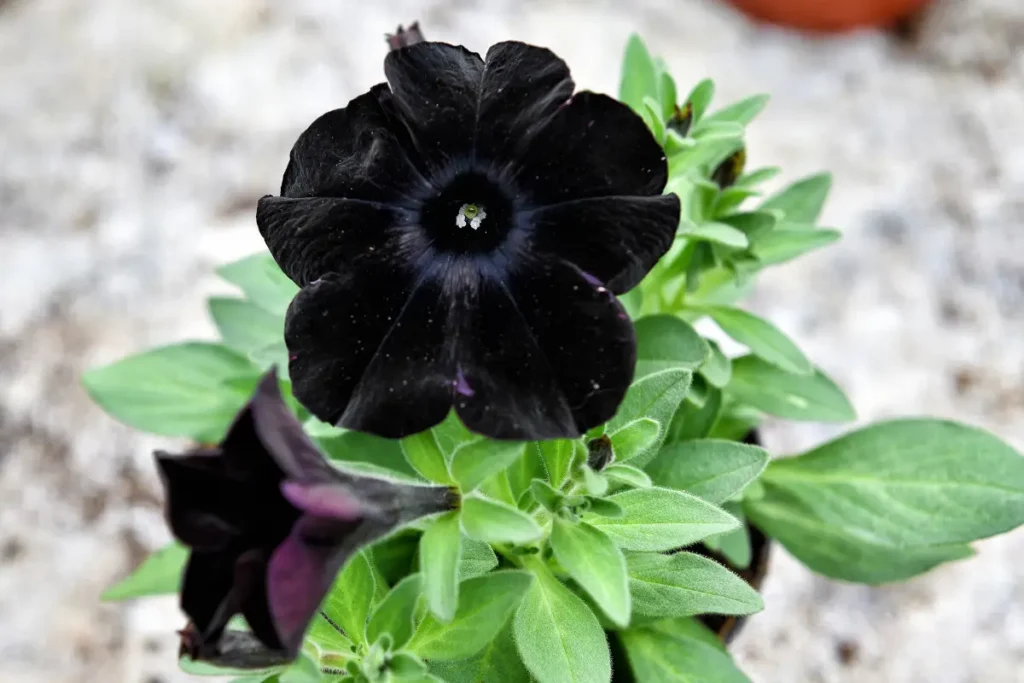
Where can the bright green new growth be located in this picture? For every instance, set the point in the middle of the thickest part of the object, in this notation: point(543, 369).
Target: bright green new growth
point(559, 547)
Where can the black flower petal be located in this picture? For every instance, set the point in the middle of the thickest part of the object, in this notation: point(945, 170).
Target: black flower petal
point(371, 356)
point(547, 354)
point(588, 232)
point(313, 236)
point(594, 146)
point(270, 523)
point(458, 237)
point(356, 152)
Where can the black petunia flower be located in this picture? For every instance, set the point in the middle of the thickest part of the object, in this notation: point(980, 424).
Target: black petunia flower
point(269, 523)
point(459, 234)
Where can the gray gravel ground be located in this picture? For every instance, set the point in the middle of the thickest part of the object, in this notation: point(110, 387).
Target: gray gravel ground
point(136, 135)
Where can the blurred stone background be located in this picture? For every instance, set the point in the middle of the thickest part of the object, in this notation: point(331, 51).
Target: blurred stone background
point(136, 136)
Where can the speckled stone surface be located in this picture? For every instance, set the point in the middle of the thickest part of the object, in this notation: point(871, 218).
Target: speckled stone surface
point(136, 136)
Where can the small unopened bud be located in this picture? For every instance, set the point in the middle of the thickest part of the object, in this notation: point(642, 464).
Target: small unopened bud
point(729, 170)
point(404, 37)
point(599, 452)
point(682, 119)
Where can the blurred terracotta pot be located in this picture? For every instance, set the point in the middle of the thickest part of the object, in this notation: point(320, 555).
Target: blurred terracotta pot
point(829, 15)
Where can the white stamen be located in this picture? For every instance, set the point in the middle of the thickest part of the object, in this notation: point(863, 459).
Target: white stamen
point(473, 214)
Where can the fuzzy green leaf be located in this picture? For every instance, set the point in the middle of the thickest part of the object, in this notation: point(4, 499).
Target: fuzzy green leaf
point(159, 574)
point(634, 438)
point(262, 281)
point(486, 604)
point(639, 78)
point(494, 522)
point(785, 244)
point(659, 519)
point(812, 397)
point(477, 559)
point(474, 462)
point(558, 636)
point(657, 657)
point(655, 396)
point(762, 338)
point(498, 661)
point(244, 326)
point(665, 341)
point(191, 390)
point(395, 613)
point(440, 553)
point(426, 457)
point(684, 584)
point(802, 201)
point(713, 469)
point(596, 564)
point(352, 596)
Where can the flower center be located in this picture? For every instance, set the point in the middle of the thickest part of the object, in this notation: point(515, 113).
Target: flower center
point(471, 214)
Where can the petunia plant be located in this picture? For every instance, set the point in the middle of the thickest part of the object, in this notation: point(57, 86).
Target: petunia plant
point(460, 425)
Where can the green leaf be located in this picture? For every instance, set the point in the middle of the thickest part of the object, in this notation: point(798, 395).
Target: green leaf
point(351, 598)
point(244, 326)
point(933, 481)
point(558, 636)
point(659, 519)
point(440, 551)
point(762, 338)
point(199, 668)
point(719, 233)
point(651, 114)
point(656, 657)
point(742, 112)
point(159, 574)
point(523, 471)
point(451, 434)
point(477, 558)
point(694, 421)
point(486, 604)
point(596, 564)
point(395, 613)
point(628, 475)
point(685, 584)
point(476, 461)
point(735, 546)
point(634, 438)
point(713, 469)
point(425, 456)
point(718, 368)
point(263, 283)
point(802, 201)
point(700, 97)
point(192, 390)
point(781, 245)
point(667, 93)
point(665, 341)
point(558, 458)
point(498, 661)
point(303, 670)
point(604, 507)
point(840, 552)
point(549, 497)
point(754, 224)
point(593, 482)
point(708, 151)
point(812, 397)
point(494, 522)
point(758, 176)
point(639, 77)
point(655, 396)
point(356, 448)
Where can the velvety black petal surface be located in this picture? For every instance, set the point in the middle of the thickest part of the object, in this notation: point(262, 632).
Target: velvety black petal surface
point(616, 239)
point(521, 87)
point(594, 146)
point(436, 89)
point(560, 364)
point(198, 511)
point(310, 237)
point(207, 595)
point(368, 351)
point(355, 153)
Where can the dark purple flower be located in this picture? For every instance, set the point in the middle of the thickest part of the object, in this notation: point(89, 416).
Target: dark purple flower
point(270, 523)
point(459, 234)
